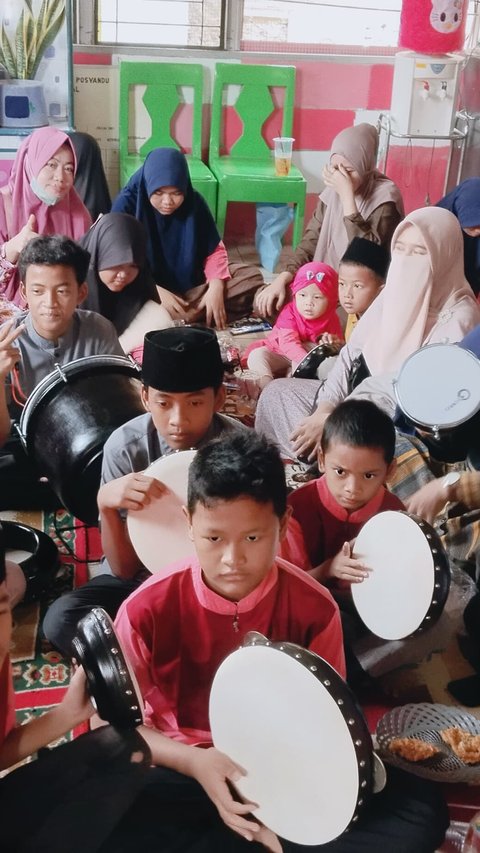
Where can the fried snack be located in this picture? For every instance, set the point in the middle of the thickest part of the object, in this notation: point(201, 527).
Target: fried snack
point(465, 745)
point(412, 748)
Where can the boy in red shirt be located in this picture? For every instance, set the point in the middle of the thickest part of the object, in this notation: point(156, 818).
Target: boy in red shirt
point(357, 458)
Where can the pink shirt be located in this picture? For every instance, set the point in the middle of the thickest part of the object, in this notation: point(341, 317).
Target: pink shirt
point(175, 632)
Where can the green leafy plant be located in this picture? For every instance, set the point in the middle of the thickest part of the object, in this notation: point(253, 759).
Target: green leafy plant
point(33, 36)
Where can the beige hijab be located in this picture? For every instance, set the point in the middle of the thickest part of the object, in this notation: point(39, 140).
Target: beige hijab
point(421, 292)
point(359, 146)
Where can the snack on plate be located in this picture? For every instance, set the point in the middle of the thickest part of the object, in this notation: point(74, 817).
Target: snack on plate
point(465, 745)
point(412, 748)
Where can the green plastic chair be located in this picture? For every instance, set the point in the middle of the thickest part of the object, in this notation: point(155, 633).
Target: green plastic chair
point(247, 172)
point(162, 98)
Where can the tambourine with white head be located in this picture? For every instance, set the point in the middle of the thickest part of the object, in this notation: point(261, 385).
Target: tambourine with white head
point(410, 578)
point(287, 717)
point(159, 531)
point(111, 682)
point(438, 387)
point(308, 366)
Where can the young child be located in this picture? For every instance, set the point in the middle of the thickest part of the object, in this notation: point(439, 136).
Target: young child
point(52, 331)
point(357, 457)
point(361, 276)
point(177, 628)
point(307, 320)
point(182, 374)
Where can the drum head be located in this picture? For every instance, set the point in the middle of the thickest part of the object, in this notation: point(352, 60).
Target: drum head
point(307, 768)
point(159, 531)
point(307, 368)
point(410, 577)
point(439, 386)
point(112, 684)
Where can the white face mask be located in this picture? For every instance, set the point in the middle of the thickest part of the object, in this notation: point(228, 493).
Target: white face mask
point(42, 194)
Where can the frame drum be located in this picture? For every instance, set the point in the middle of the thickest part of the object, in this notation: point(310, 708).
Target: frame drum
point(286, 716)
point(308, 366)
point(36, 554)
point(438, 387)
point(112, 684)
point(67, 420)
point(159, 531)
point(408, 586)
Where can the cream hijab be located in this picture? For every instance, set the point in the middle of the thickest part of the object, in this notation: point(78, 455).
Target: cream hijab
point(421, 292)
point(359, 146)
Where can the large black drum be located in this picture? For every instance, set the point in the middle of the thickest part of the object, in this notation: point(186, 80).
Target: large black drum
point(67, 420)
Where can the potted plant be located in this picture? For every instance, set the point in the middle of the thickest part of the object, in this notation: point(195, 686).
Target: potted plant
point(22, 101)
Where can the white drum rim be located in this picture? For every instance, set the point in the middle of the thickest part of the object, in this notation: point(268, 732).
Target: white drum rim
point(433, 425)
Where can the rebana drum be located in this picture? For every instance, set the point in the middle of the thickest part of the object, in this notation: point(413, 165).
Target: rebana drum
point(67, 420)
point(159, 531)
point(438, 389)
point(292, 723)
point(410, 578)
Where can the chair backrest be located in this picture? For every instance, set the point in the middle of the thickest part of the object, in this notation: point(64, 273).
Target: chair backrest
point(254, 105)
point(162, 98)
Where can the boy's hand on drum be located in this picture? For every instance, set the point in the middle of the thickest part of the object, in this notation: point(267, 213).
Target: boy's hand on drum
point(429, 501)
point(214, 770)
point(132, 492)
point(9, 353)
point(344, 567)
point(76, 704)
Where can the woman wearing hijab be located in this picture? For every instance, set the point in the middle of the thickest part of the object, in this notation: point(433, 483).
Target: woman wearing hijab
point(464, 202)
point(358, 201)
point(120, 285)
point(39, 198)
point(426, 300)
point(187, 258)
point(90, 179)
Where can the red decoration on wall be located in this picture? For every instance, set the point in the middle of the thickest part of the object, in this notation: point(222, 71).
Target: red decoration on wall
point(433, 26)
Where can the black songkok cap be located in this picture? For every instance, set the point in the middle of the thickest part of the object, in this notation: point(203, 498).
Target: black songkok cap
point(366, 253)
point(182, 359)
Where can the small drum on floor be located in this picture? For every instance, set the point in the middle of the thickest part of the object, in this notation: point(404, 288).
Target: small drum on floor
point(438, 389)
point(67, 420)
point(111, 682)
point(159, 531)
point(307, 368)
point(293, 724)
point(410, 578)
point(35, 553)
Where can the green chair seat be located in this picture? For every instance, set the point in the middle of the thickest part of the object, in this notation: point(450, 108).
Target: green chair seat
point(162, 98)
point(247, 171)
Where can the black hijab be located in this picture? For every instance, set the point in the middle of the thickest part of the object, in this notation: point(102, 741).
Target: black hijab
point(90, 179)
point(114, 239)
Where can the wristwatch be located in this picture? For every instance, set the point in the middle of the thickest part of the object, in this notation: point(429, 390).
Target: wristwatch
point(450, 479)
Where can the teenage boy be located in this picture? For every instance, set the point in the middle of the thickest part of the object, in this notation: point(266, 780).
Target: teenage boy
point(177, 628)
point(52, 331)
point(182, 375)
point(356, 456)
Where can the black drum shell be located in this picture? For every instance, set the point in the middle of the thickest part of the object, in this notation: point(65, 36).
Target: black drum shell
point(42, 564)
point(97, 649)
point(65, 426)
